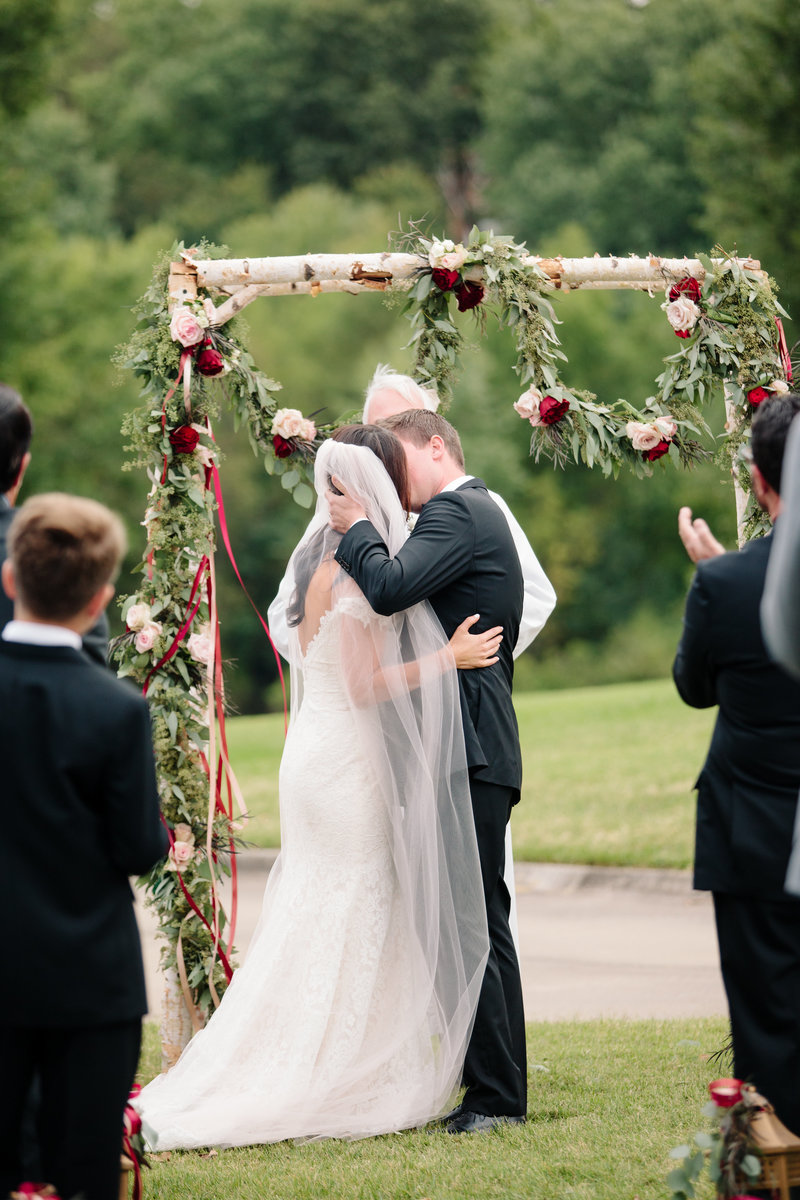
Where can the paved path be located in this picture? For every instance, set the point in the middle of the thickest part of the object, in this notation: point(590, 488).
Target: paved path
point(594, 941)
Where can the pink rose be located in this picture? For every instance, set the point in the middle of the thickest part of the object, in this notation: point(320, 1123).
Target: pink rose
point(682, 314)
point(185, 327)
point(779, 387)
point(643, 437)
point(204, 454)
point(138, 616)
point(288, 423)
point(201, 646)
point(725, 1092)
point(666, 427)
point(180, 853)
point(146, 637)
point(528, 405)
point(308, 431)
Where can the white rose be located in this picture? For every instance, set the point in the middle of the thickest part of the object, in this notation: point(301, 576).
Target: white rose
point(288, 423)
point(778, 387)
point(201, 645)
point(309, 430)
point(204, 454)
point(146, 637)
point(644, 437)
point(682, 314)
point(183, 833)
point(138, 616)
point(528, 405)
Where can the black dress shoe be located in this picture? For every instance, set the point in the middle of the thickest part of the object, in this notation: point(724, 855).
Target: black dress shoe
point(451, 1116)
point(472, 1122)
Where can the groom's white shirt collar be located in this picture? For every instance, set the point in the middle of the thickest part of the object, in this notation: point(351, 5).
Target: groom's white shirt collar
point(32, 633)
point(456, 483)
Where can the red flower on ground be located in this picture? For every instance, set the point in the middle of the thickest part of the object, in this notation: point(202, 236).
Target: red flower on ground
point(282, 448)
point(445, 280)
point(184, 439)
point(552, 410)
point(688, 286)
point(758, 395)
point(469, 295)
point(725, 1092)
point(209, 361)
point(657, 451)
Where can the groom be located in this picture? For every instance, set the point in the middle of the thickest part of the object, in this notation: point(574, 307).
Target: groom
point(461, 557)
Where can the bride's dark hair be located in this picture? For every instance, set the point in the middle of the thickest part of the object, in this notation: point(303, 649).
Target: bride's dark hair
point(388, 448)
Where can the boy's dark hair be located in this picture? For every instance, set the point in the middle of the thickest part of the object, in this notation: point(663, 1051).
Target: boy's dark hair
point(63, 550)
point(16, 429)
point(770, 430)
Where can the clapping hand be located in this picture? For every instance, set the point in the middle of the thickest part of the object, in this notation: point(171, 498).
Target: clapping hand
point(475, 649)
point(697, 538)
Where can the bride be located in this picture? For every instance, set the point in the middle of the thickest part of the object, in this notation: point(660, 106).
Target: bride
point(351, 1014)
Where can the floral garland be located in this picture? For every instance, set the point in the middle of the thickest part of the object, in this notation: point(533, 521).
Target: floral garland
point(729, 328)
point(185, 362)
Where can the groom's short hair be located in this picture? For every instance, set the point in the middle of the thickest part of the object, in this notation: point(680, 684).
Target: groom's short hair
point(63, 549)
point(418, 426)
point(770, 429)
point(16, 430)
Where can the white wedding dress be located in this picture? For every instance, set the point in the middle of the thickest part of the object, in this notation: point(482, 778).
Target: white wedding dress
point(351, 1013)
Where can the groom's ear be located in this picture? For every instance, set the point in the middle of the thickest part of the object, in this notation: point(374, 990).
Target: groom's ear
point(437, 446)
point(9, 583)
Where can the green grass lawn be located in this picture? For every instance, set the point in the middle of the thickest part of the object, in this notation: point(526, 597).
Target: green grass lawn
point(608, 1101)
point(608, 774)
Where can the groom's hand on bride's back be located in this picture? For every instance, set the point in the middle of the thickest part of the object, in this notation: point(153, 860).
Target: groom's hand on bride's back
point(344, 510)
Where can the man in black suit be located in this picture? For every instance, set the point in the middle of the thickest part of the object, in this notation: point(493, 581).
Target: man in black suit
point(747, 790)
point(79, 812)
point(16, 430)
point(461, 557)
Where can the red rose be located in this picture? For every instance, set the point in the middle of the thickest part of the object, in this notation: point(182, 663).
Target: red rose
point(184, 439)
point(725, 1092)
point(552, 410)
point(282, 448)
point(469, 295)
point(209, 361)
point(656, 451)
point(688, 286)
point(445, 280)
point(758, 395)
point(683, 333)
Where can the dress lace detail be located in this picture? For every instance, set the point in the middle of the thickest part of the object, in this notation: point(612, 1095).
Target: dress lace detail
point(314, 1036)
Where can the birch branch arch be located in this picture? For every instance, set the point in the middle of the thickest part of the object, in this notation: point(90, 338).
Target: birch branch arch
point(188, 354)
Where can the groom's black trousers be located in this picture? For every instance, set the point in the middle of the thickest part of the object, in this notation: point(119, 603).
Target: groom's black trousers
point(495, 1069)
point(86, 1075)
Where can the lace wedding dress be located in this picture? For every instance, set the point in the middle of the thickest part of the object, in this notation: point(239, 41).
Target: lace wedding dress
point(351, 1013)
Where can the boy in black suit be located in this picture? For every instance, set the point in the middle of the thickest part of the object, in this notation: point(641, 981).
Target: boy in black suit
point(79, 814)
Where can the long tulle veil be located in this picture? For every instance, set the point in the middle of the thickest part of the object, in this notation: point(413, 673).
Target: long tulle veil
point(408, 724)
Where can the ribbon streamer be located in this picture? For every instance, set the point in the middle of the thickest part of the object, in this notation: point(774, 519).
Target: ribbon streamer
point(784, 350)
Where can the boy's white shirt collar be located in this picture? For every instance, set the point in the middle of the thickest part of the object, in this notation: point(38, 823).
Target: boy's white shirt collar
point(33, 633)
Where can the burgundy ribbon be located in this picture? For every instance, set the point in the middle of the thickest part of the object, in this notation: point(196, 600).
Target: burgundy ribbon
point(223, 525)
point(191, 610)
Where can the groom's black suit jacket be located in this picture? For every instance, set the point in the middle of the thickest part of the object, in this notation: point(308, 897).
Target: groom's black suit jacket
point(747, 790)
point(79, 813)
point(461, 557)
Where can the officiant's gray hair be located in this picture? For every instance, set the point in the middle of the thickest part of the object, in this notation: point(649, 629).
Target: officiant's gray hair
point(386, 379)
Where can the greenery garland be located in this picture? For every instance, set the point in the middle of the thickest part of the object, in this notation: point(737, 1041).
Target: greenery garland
point(169, 435)
point(186, 363)
point(729, 338)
